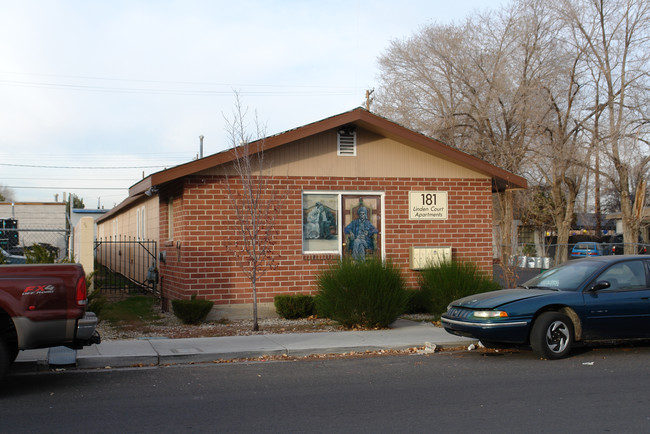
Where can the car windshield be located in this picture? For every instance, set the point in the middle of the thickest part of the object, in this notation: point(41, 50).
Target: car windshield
point(567, 277)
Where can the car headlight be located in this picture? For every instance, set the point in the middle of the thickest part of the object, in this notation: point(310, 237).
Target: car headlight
point(490, 314)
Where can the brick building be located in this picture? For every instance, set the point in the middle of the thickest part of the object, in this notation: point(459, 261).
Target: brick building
point(415, 198)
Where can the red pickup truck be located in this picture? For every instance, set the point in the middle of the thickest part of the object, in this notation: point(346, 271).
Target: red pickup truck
point(43, 305)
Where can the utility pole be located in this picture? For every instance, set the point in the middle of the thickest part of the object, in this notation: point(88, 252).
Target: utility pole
point(369, 100)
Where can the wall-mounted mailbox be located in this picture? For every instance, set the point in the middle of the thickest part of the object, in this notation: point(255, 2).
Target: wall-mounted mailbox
point(421, 257)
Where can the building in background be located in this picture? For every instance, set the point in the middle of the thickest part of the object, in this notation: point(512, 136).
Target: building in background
point(42, 223)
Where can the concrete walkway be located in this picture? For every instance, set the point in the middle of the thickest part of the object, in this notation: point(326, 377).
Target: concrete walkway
point(402, 335)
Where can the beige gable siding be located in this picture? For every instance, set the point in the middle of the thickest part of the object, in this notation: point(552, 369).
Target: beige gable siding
point(125, 224)
point(376, 155)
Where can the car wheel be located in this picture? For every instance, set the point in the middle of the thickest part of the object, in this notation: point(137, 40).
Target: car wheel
point(552, 335)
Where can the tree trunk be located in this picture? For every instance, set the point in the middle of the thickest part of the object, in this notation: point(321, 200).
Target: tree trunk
point(562, 250)
point(256, 326)
point(632, 219)
point(505, 223)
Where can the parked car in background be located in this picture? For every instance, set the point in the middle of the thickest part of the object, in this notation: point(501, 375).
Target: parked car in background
point(588, 249)
point(8, 258)
point(600, 298)
point(618, 245)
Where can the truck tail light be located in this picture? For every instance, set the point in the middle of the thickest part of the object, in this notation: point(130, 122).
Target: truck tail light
point(82, 292)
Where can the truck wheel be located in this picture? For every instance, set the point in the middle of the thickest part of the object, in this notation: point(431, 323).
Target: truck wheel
point(13, 353)
point(5, 357)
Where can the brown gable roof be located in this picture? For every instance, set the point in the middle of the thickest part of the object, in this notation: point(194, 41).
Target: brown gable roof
point(502, 179)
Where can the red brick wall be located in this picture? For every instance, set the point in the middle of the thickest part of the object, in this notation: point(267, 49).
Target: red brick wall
point(204, 223)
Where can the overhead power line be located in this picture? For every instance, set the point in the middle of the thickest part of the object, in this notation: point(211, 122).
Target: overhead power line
point(178, 82)
point(32, 178)
point(82, 167)
point(280, 91)
point(67, 188)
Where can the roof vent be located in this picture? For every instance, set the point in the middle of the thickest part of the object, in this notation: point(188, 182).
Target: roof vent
point(347, 141)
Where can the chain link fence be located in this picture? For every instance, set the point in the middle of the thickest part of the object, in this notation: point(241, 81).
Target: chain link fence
point(545, 256)
point(19, 242)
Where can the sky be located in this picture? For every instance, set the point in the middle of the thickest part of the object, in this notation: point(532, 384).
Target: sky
point(96, 95)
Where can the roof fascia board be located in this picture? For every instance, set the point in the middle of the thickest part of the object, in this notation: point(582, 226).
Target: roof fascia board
point(121, 207)
point(455, 155)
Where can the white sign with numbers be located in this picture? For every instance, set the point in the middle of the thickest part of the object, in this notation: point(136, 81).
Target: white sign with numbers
point(428, 205)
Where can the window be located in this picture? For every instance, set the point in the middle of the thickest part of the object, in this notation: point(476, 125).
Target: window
point(345, 223)
point(625, 276)
point(320, 215)
point(141, 232)
point(170, 219)
point(347, 141)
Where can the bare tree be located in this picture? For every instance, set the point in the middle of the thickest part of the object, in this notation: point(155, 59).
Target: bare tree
point(6, 194)
point(616, 36)
point(561, 149)
point(254, 202)
point(474, 86)
point(549, 89)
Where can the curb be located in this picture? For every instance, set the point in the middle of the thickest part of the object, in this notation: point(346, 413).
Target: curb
point(161, 352)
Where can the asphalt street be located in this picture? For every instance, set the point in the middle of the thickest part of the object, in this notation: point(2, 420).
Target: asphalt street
point(596, 390)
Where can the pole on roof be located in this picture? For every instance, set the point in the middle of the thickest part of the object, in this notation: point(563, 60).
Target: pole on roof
point(368, 99)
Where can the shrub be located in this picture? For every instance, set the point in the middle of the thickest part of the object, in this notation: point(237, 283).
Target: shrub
point(449, 281)
point(367, 294)
point(294, 306)
point(37, 254)
point(529, 249)
point(417, 302)
point(192, 311)
point(96, 302)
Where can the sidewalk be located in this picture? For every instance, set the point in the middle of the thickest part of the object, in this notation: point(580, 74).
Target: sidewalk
point(402, 335)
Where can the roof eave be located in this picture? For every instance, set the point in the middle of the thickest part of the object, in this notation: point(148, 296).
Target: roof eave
point(503, 179)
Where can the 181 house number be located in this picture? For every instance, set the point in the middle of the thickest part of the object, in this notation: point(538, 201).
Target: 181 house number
point(428, 205)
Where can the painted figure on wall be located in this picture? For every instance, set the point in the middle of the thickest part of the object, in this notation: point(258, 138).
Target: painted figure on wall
point(320, 221)
point(361, 235)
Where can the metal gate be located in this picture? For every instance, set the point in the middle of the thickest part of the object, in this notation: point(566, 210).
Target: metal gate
point(125, 265)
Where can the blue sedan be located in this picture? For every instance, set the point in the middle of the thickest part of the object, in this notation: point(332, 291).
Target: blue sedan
point(604, 297)
point(587, 249)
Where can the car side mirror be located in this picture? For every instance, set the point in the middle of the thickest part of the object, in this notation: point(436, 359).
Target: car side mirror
point(603, 284)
